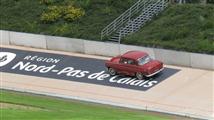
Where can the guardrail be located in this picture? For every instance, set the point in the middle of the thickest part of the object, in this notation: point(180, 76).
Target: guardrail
point(136, 24)
point(124, 17)
point(180, 58)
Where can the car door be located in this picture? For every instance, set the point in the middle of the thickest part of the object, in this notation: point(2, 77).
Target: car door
point(121, 66)
point(131, 67)
point(127, 66)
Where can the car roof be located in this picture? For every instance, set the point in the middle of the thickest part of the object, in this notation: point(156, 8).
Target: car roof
point(134, 55)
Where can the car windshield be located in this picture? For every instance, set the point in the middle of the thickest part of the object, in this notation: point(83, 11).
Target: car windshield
point(144, 60)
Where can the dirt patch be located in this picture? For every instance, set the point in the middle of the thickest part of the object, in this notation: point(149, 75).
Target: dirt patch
point(22, 107)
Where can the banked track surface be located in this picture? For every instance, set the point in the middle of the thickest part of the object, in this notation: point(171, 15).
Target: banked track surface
point(178, 90)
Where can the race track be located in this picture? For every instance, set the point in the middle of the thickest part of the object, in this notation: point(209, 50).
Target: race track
point(176, 90)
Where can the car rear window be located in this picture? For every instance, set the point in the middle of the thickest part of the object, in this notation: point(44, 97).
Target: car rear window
point(144, 60)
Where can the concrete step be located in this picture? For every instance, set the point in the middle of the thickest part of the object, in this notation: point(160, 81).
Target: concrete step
point(128, 31)
point(110, 40)
point(114, 39)
point(138, 22)
point(116, 35)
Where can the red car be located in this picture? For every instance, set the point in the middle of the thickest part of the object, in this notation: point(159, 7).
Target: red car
point(134, 63)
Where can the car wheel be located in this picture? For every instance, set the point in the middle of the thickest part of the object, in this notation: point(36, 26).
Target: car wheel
point(111, 71)
point(139, 76)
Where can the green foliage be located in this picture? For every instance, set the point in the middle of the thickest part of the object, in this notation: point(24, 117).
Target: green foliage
point(210, 1)
point(86, 27)
point(49, 2)
point(84, 3)
point(46, 2)
point(60, 29)
point(107, 10)
point(72, 13)
point(68, 13)
point(52, 14)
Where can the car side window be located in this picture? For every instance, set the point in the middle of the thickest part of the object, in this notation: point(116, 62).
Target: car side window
point(127, 61)
point(131, 62)
point(123, 61)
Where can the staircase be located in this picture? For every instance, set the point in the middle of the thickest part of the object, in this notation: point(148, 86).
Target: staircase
point(133, 19)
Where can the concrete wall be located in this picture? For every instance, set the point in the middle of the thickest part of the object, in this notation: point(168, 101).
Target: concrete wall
point(171, 57)
point(202, 61)
point(126, 48)
point(101, 48)
point(65, 44)
point(4, 37)
point(26, 39)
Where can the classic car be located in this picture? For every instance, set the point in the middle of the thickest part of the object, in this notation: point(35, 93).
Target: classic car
point(134, 63)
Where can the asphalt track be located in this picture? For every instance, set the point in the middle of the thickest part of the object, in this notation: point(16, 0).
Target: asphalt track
point(73, 68)
point(179, 90)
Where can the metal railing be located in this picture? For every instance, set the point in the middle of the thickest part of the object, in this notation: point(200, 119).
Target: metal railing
point(135, 24)
point(124, 17)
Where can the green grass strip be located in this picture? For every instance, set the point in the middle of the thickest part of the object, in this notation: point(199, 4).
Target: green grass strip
point(60, 109)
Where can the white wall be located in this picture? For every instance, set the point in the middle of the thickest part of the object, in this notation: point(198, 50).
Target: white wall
point(101, 48)
point(26, 39)
point(65, 44)
point(126, 48)
point(4, 37)
point(171, 57)
point(202, 61)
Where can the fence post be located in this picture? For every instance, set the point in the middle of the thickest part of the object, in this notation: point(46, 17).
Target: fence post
point(130, 12)
point(138, 4)
point(132, 26)
point(162, 7)
point(101, 36)
point(119, 36)
point(114, 25)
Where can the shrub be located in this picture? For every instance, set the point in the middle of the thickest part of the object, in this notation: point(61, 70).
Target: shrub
point(72, 13)
point(68, 13)
point(52, 14)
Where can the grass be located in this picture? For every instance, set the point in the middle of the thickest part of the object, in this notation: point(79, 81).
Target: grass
point(48, 108)
point(24, 16)
point(187, 27)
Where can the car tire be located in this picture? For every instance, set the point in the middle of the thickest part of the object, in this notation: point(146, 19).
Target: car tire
point(139, 76)
point(111, 71)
